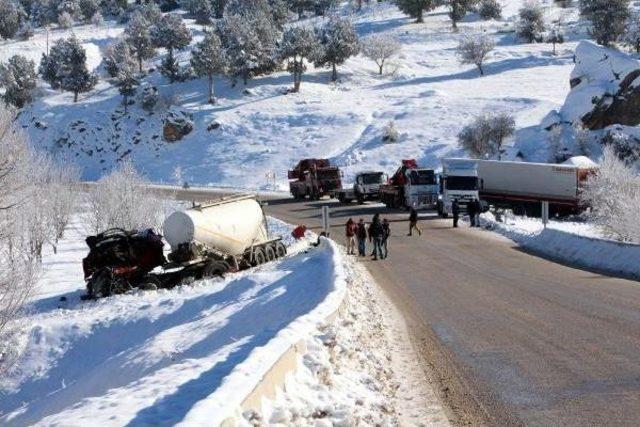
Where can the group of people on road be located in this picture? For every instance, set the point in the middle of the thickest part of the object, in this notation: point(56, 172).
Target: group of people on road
point(377, 233)
point(474, 209)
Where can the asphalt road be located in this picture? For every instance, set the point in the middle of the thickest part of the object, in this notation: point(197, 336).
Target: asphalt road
point(506, 337)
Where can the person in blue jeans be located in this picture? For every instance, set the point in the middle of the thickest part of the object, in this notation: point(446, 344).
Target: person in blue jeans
point(376, 234)
point(386, 232)
point(361, 234)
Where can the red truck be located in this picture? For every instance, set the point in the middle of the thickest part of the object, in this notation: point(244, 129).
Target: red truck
point(314, 178)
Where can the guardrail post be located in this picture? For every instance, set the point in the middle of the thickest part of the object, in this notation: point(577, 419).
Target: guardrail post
point(545, 213)
point(326, 224)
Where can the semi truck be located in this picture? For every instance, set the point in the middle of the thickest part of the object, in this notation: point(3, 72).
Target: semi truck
point(207, 240)
point(522, 186)
point(410, 187)
point(458, 181)
point(365, 187)
point(314, 178)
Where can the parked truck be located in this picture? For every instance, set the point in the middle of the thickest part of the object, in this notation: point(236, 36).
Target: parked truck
point(314, 178)
point(411, 186)
point(458, 181)
point(365, 187)
point(229, 234)
point(522, 186)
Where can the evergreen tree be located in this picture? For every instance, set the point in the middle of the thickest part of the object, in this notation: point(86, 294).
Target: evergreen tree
point(65, 67)
point(531, 24)
point(88, 8)
point(172, 34)
point(338, 42)
point(118, 56)
point(127, 83)
point(298, 45)
point(458, 10)
point(11, 17)
point(69, 7)
point(416, 8)
point(138, 36)
point(632, 33)
point(208, 59)
point(608, 18)
point(490, 9)
point(18, 77)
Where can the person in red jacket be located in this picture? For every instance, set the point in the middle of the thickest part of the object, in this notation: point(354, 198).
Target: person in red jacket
point(299, 232)
point(350, 233)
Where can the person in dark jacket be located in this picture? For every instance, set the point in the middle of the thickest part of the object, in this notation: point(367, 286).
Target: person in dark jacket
point(455, 210)
point(376, 234)
point(413, 222)
point(361, 234)
point(471, 210)
point(386, 232)
point(477, 209)
point(350, 233)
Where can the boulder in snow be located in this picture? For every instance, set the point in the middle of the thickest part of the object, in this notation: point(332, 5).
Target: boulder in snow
point(176, 125)
point(605, 88)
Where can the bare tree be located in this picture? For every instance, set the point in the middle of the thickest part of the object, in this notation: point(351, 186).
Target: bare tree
point(485, 136)
point(380, 48)
point(123, 200)
point(613, 194)
point(474, 50)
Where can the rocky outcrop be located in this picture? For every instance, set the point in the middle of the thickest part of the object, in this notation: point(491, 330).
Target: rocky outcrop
point(605, 88)
point(176, 125)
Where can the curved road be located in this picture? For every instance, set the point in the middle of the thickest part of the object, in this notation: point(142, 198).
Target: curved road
point(507, 338)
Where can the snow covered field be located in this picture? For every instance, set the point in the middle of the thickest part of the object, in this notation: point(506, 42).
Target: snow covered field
point(190, 355)
point(428, 94)
point(576, 243)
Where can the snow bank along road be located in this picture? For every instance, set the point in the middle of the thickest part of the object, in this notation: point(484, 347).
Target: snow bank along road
point(509, 338)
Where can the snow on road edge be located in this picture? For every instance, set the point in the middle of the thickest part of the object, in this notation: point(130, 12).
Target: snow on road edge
point(359, 369)
point(572, 243)
point(225, 402)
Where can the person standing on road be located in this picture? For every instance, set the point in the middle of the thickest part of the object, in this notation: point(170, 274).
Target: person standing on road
point(413, 222)
point(386, 232)
point(376, 234)
point(455, 210)
point(361, 234)
point(471, 210)
point(477, 208)
point(350, 233)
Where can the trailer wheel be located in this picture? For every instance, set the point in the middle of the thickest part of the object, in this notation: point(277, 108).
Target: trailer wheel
point(281, 250)
point(259, 257)
point(270, 253)
point(215, 269)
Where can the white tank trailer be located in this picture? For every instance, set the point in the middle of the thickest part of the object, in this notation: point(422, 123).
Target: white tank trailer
point(231, 232)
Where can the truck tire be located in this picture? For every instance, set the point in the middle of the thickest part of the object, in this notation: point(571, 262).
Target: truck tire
point(259, 257)
point(270, 253)
point(281, 250)
point(360, 199)
point(215, 268)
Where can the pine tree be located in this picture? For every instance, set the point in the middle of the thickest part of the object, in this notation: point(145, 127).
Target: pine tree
point(531, 24)
point(118, 56)
point(298, 45)
point(632, 33)
point(11, 17)
point(65, 67)
point(458, 10)
point(207, 59)
point(415, 8)
point(127, 83)
point(338, 42)
point(18, 77)
point(608, 18)
point(138, 36)
point(172, 34)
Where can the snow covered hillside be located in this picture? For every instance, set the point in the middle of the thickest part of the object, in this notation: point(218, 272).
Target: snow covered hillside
point(160, 357)
point(428, 94)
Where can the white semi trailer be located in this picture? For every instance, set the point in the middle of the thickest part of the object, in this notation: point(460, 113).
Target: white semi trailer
point(522, 186)
point(232, 230)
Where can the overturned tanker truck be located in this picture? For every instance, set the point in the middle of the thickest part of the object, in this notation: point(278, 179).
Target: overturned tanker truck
point(229, 234)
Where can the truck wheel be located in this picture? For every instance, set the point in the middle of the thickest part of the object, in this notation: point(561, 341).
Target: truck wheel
point(281, 250)
point(270, 253)
point(360, 198)
point(259, 257)
point(215, 269)
point(150, 283)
